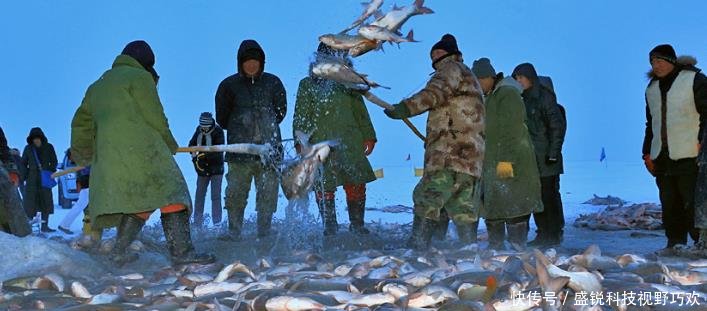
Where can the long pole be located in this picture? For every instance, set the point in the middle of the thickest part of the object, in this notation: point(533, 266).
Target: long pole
point(381, 103)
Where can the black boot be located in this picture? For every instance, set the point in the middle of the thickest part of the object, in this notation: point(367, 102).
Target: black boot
point(421, 235)
point(264, 224)
point(45, 224)
point(357, 210)
point(178, 236)
point(518, 235)
point(467, 232)
point(128, 229)
point(439, 230)
point(235, 225)
point(327, 209)
point(497, 234)
point(540, 239)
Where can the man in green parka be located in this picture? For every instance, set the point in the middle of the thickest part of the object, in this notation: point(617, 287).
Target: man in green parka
point(510, 177)
point(329, 111)
point(121, 131)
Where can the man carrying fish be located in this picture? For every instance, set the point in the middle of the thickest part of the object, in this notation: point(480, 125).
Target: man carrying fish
point(328, 110)
point(250, 105)
point(511, 180)
point(119, 124)
point(454, 148)
point(676, 107)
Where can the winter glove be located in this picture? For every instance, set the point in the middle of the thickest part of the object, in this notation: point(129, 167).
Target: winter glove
point(368, 146)
point(650, 166)
point(15, 179)
point(298, 148)
point(399, 111)
point(504, 170)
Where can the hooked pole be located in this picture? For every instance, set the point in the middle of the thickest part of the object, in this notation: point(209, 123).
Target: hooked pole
point(381, 103)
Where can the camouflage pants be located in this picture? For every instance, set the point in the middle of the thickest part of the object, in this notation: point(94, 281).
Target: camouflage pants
point(459, 194)
point(240, 176)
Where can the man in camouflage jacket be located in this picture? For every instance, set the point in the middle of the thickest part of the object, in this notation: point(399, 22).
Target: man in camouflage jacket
point(454, 148)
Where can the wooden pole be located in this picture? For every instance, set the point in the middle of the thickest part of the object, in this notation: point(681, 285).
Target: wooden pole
point(381, 103)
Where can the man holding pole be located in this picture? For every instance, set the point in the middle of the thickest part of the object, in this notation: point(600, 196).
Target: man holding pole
point(454, 148)
point(119, 124)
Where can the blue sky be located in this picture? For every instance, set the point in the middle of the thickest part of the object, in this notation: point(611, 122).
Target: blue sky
point(596, 52)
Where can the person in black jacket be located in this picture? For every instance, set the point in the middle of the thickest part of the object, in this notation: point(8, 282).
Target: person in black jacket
point(676, 110)
point(38, 155)
point(209, 168)
point(546, 126)
point(250, 105)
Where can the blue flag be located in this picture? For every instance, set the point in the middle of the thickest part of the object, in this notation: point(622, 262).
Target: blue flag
point(602, 157)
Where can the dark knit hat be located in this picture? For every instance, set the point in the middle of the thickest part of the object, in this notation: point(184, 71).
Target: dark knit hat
point(447, 43)
point(206, 119)
point(664, 52)
point(482, 68)
point(142, 53)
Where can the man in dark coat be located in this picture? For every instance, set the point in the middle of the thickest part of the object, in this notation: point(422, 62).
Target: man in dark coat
point(38, 155)
point(676, 108)
point(250, 105)
point(12, 217)
point(546, 126)
point(209, 167)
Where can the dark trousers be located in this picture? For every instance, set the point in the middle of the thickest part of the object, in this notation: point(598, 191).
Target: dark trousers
point(202, 183)
point(551, 221)
point(677, 197)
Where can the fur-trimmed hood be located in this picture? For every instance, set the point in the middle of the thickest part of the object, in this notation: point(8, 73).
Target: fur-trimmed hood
point(685, 62)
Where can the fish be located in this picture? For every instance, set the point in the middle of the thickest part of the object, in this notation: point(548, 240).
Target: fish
point(216, 287)
point(80, 291)
point(593, 260)
point(336, 69)
point(513, 305)
point(578, 281)
point(233, 268)
point(343, 42)
point(396, 290)
point(370, 300)
point(290, 303)
point(698, 263)
point(298, 177)
point(104, 298)
point(688, 277)
point(132, 277)
point(432, 295)
point(417, 280)
point(50, 281)
point(383, 273)
point(608, 200)
point(627, 259)
point(370, 9)
point(395, 19)
point(364, 47)
point(378, 33)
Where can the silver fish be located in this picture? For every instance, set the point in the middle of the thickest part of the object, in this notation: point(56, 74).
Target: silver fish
point(395, 19)
point(336, 69)
point(216, 287)
point(299, 176)
point(233, 268)
point(431, 296)
point(378, 33)
point(80, 291)
point(370, 9)
point(290, 303)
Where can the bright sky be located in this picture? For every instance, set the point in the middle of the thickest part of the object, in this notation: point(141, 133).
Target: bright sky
point(596, 52)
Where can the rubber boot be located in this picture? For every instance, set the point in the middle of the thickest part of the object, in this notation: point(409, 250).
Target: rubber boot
point(421, 235)
point(467, 232)
point(497, 234)
point(128, 229)
point(357, 210)
point(45, 224)
point(264, 224)
point(439, 230)
point(327, 209)
point(178, 236)
point(235, 225)
point(518, 235)
point(540, 239)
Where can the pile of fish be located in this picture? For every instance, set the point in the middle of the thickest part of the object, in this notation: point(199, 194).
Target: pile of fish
point(646, 216)
point(368, 37)
point(461, 279)
point(605, 201)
